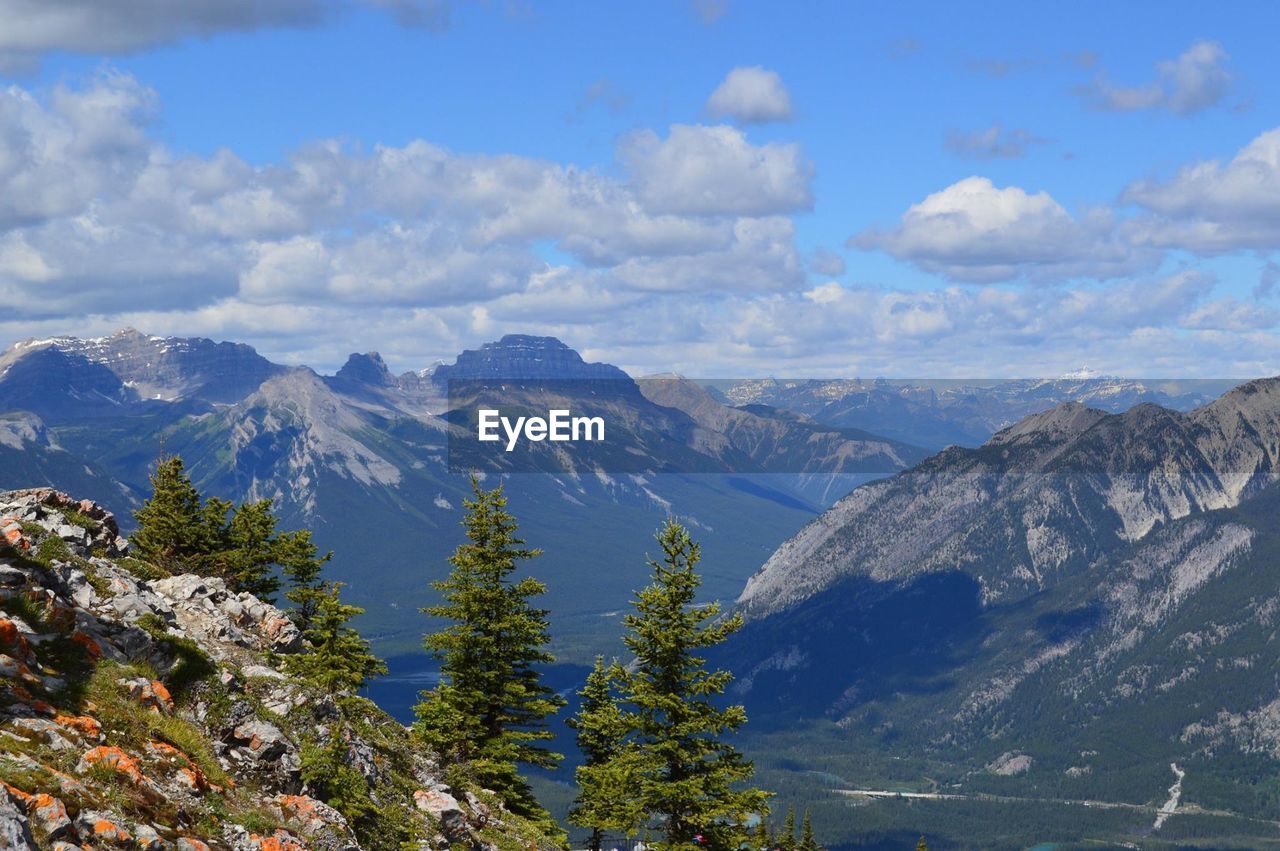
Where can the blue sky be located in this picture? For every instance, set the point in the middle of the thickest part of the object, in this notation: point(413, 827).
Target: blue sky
point(261, 170)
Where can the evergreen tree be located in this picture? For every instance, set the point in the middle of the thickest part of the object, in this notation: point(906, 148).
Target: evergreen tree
point(678, 776)
point(491, 707)
point(181, 533)
point(807, 841)
point(599, 725)
point(172, 530)
point(339, 661)
point(246, 552)
point(787, 839)
point(301, 563)
point(922, 845)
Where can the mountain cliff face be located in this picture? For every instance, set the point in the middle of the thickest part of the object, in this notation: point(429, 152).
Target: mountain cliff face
point(520, 356)
point(153, 713)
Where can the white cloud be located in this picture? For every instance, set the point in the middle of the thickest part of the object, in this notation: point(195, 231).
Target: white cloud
point(750, 95)
point(715, 171)
point(1193, 82)
point(1230, 314)
point(974, 231)
point(55, 158)
point(95, 215)
point(686, 260)
point(1213, 207)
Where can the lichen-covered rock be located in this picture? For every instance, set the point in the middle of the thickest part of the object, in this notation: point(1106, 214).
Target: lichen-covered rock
point(49, 817)
point(15, 830)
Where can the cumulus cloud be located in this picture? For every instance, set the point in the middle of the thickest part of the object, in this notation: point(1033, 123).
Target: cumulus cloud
point(1214, 207)
point(750, 95)
point(974, 231)
point(1230, 314)
point(701, 170)
point(55, 158)
point(94, 215)
point(1193, 82)
point(993, 142)
point(685, 258)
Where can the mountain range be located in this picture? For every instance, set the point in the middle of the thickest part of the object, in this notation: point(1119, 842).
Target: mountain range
point(935, 413)
point(998, 612)
point(364, 448)
point(1081, 609)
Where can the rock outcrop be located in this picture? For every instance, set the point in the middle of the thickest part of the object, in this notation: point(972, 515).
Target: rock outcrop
point(139, 710)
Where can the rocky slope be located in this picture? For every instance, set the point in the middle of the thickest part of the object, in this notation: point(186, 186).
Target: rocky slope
point(1041, 499)
point(1060, 615)
point(139, 710)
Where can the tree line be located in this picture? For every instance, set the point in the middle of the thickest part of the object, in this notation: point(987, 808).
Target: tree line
point(652, 728)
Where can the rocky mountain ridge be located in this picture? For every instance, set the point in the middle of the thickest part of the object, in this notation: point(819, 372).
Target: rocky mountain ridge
point(367, 449)
point(936, 413)
point(1058, 616)
point(1055, 491)
point(139, 710)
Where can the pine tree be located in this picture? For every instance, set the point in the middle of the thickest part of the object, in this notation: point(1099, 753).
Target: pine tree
point(807, 841)
point(246, 551)
point(339, 661)
point(677, 774)
point(599, 725)
point(491, 709)
point(302, 565)
point(787, 840)
point(922, 845)
point(172, 530)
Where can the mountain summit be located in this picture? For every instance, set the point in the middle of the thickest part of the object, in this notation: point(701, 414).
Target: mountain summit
point(520, 356)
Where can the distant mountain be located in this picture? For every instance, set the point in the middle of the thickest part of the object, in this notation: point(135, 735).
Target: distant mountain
point(1057, 615)
point(57, 384)
point(966, 413)
point(166, 368)
point(520, 356)
point(365, 449)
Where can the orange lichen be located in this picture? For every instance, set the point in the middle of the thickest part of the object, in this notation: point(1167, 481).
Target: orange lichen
point(23, 797)
point(276, 842)
point(108, 831)
point(91, 646)
point(115, 758)
point(162, 694)
point(82, 724)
